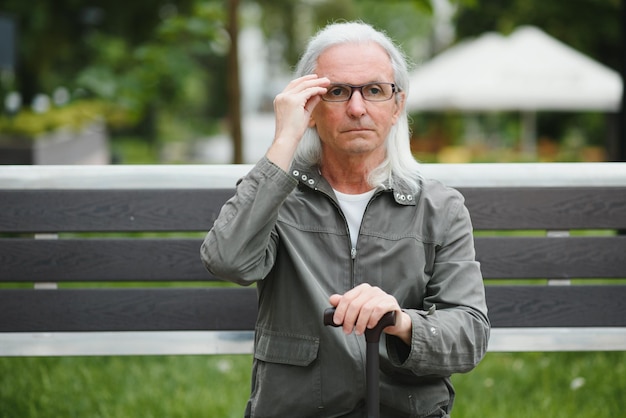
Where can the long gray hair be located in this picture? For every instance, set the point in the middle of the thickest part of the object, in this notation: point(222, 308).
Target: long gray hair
point(399, 164)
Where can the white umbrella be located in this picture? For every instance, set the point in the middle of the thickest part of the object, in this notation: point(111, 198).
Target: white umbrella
point(526, 71)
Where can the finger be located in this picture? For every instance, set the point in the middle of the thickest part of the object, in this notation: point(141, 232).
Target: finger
point(375, 303)
point(312, 102)
point(308, 84)
point(385, 305)
point(350, 307)
point(303, 93)
point(366, 311)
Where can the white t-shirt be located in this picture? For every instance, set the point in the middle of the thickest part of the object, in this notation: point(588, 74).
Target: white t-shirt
point(353, 207)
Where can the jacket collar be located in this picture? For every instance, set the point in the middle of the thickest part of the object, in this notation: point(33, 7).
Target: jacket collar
point(311, 178)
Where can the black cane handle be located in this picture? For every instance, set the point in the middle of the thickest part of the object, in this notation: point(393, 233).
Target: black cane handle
point(371, 335)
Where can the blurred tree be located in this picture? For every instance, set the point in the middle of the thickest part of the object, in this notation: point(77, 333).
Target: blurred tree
point(145, 56)
point(51, 34)
point(161, 72)
point(139, 56)
point(590, 26)
point(290, 23)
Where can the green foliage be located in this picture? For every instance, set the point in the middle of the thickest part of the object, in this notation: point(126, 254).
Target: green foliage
point(147, 59)
point(51, 33)
point(494, 136)
point(137, 56)
point(130, 150)
point(155, 73)
point(404, 20)
point(590, 26)
point(409, 23)
point(28, 125)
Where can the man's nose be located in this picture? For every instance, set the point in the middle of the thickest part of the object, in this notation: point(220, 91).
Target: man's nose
point(356, 104)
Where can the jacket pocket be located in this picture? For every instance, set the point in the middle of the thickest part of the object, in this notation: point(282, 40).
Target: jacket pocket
point(286, 348)
point(287, 378)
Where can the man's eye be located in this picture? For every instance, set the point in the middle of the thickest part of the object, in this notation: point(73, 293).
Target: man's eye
point(337, 91)
point(374, 90)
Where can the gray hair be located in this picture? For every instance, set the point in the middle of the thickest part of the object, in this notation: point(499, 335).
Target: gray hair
point(399, 164)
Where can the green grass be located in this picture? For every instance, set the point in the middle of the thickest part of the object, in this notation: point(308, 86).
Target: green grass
point(510, 385)
point(118, 387)
point(556, 385)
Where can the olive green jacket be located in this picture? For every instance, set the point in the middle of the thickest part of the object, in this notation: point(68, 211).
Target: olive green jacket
point(286, 233)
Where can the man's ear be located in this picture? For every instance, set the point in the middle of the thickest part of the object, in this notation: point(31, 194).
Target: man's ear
point(311, 122)
point(399, 106)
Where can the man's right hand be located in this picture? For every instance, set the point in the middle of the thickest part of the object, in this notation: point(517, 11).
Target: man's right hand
point(293, 108)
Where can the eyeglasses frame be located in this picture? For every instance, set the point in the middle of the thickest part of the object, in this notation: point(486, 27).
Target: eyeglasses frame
point(394, 90)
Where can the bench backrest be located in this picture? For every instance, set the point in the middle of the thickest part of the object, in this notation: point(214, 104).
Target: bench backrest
point(65, 267)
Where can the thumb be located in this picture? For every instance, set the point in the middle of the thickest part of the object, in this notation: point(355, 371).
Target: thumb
point(334, 299)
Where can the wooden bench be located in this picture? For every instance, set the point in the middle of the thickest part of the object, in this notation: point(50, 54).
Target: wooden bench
point(70, 284)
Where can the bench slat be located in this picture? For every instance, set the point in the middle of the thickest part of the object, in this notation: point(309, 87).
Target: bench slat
point(79, 260)
point(110, 210)
point(196, 209)
point(551, 258)
point(547, 208)
point(68, 310)
point(557, 306)
point(153, 260)
point(180, 309)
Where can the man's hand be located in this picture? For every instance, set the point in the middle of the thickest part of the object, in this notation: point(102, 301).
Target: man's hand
point(363, 306)
point(292, 108)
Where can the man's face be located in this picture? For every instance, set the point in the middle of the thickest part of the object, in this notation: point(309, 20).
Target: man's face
point(355, 127)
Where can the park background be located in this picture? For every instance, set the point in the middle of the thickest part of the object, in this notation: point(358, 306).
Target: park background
point(192, 82)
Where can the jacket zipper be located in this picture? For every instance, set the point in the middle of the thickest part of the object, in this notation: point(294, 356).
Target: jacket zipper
point(353, 250)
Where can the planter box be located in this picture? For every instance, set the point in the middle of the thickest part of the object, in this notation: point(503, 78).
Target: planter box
point(65, 146)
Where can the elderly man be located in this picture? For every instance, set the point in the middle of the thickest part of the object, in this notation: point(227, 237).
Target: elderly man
point(337, 213)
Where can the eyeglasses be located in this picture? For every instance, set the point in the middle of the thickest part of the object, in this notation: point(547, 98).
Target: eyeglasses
point(372, 92)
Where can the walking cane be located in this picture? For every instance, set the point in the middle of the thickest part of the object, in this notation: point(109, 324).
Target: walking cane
point(372, 337)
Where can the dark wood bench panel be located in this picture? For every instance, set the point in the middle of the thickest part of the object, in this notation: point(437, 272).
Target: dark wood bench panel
point(557, 208)
point(87, 260)
point(73, 310)
point(557, 306)
point(70, 310)
point(178, 259)
point(552, 258)
point(110, 210)
point(196, 209)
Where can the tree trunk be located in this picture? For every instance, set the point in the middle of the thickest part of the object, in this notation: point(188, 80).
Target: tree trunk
point(234, 92)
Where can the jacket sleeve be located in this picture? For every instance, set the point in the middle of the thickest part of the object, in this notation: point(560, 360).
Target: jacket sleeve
point(451, 334)
point(241, 245)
